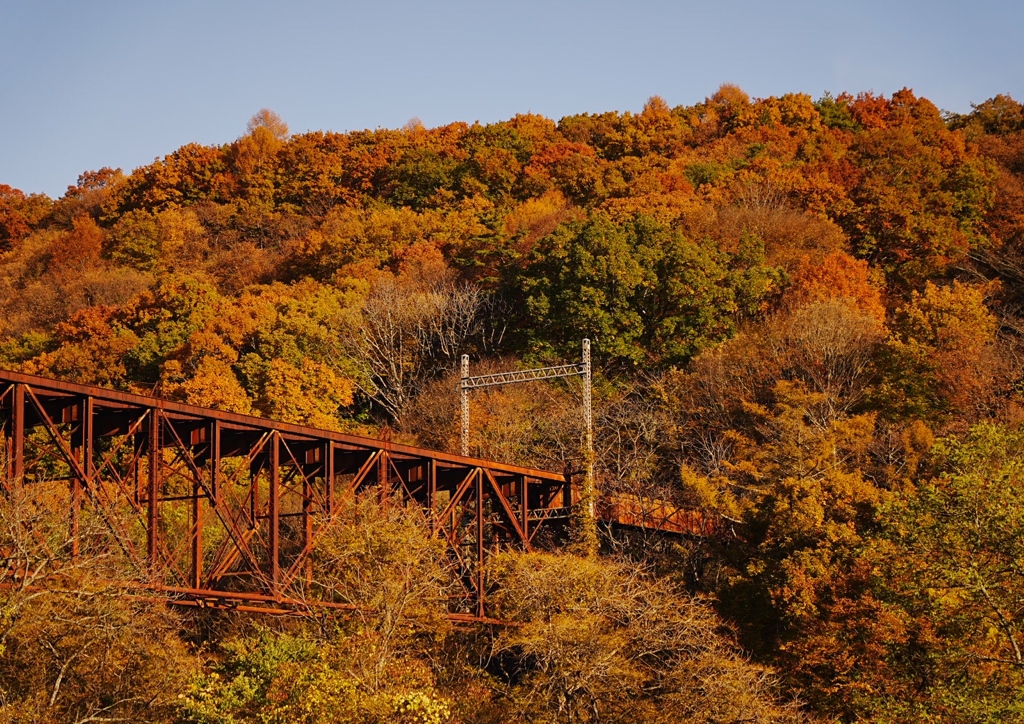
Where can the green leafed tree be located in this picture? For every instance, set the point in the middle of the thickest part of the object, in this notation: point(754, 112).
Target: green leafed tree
point(642, 291)
point(952, 560)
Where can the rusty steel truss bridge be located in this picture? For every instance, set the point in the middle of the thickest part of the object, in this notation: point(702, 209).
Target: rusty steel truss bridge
point(224, 510)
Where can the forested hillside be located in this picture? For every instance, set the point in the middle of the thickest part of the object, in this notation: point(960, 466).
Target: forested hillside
point(806, 318)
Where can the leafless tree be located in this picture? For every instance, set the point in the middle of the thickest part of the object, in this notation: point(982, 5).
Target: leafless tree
point(832, 345)
point(412, 330)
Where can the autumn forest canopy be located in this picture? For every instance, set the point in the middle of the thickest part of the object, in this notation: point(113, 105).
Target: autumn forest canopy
point(807, 322)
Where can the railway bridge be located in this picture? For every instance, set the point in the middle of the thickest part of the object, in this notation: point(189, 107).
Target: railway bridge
point(224, 510)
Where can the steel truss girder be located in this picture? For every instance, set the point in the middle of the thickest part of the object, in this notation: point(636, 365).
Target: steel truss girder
point(219, 509)
point(531, 375)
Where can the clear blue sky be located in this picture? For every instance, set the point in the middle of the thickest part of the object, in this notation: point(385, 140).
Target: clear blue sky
point(117, 83)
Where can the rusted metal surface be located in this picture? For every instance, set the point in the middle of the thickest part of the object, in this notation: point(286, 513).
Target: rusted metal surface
point(216, 509)
point(224, 510)
point(655, 515)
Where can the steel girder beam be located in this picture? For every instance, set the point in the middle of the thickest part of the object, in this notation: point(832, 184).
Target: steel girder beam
point(221, 509)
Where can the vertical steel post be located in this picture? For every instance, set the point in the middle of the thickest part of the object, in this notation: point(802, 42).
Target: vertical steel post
point(88, 438)
point(195, 573)
point(134, 472)
point(215, 462)
point(432, 494)
point(480, 543)
point(329, 476)
point(84, 453)
point(307, 519)
point(196, 569)
point(8, 448)
point(18, 435)
point(153, 519)
point(383, 479)
point(74, 516)
point(524, 505)
point(274, 513)
point(254, 493)
point(464, 405)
